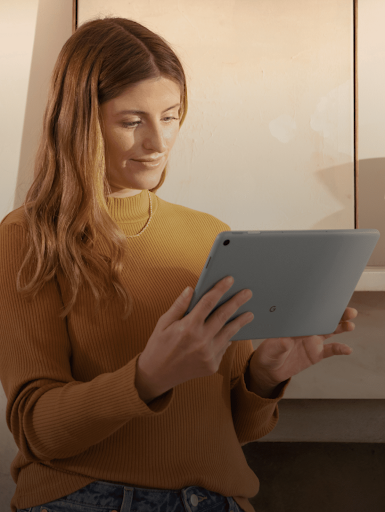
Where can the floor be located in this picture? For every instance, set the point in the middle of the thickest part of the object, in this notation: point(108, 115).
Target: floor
point(318, 477)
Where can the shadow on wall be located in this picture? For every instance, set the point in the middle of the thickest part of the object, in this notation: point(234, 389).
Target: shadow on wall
point(337, 180)
point(371, 203)
point(371, 199)
point(53, 28)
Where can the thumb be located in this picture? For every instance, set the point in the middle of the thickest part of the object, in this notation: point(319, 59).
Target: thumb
point(177, 310)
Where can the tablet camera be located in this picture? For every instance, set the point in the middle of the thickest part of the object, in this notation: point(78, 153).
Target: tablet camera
point(226, 242)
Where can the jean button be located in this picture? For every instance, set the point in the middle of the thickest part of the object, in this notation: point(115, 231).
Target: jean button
point(194, 500)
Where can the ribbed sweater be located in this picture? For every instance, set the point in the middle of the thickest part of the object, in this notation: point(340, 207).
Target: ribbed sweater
point(72, 406)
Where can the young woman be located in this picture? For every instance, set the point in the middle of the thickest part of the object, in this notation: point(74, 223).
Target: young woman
point(140, 408)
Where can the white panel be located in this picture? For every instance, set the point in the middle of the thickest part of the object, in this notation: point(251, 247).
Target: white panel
point(371, 78)
point(268, 139)
point(371, 119)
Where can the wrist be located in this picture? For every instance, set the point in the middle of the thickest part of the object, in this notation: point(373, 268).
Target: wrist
point(253, 385)
point(146, 388)
point(258, 383)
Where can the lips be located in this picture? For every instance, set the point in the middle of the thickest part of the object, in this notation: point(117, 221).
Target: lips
point(151, 161)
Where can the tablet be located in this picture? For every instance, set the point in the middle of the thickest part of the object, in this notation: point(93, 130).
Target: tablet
point(302, 281)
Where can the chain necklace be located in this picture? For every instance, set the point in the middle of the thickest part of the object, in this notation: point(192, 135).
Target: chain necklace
point(148, 222)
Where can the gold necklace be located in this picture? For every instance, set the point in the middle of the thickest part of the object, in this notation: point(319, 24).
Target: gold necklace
point(148, 222)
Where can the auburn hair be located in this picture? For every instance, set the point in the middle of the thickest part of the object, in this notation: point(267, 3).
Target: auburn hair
point(66, 206)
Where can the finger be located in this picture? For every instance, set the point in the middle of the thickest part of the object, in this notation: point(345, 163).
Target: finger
point(349, 314)
point(210, 299)
point(336, 349)
point(177, 310)
point(217, 320)
point(229, 330)
point(345, 327)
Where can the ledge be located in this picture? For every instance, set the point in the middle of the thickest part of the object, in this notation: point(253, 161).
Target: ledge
point(372, 280)
point(329, 421)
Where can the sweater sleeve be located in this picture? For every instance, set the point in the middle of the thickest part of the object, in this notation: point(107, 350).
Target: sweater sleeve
point(253, 416)
point(50, 415)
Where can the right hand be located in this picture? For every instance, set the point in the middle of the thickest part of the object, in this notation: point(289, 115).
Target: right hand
point(184, 348)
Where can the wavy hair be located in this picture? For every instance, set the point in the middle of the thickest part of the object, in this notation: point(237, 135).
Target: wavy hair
point(66, 205)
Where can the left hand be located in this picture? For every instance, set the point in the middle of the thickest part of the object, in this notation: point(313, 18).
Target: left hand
point(278, 359)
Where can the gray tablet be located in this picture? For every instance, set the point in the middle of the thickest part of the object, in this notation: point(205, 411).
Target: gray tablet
point(302, 281)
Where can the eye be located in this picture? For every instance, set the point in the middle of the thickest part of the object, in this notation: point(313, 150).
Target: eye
point(131, 124)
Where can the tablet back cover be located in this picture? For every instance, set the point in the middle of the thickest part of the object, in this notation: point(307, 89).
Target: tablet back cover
point(301, 281)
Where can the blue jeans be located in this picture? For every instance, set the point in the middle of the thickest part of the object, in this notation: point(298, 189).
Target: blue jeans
point(103, 496)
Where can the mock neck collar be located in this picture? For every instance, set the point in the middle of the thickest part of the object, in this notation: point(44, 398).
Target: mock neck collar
point(130, 210)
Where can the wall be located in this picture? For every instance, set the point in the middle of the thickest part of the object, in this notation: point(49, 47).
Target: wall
point(269, 133)
point(371, 118)
point(17, 33)
point(32, 33)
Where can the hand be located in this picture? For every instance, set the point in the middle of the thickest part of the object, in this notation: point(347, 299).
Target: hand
point(278, 359)
point(184, 348)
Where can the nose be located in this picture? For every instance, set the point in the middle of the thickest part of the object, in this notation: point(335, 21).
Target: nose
point(154, 139)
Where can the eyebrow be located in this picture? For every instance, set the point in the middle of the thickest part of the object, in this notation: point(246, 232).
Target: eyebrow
point(141, 111)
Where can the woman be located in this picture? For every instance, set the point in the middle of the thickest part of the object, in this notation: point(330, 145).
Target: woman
point(145, 410)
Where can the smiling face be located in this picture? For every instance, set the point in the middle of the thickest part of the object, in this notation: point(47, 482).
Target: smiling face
point(147, 132)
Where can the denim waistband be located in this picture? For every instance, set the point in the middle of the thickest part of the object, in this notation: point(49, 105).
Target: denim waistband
point(120, 498)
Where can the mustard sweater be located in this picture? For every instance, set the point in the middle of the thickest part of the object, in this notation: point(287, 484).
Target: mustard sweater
point(72, 405)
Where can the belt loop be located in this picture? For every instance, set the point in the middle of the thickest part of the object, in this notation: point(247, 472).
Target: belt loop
point(127, 499)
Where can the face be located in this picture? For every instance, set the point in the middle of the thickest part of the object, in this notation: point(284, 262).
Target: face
point(140, 124)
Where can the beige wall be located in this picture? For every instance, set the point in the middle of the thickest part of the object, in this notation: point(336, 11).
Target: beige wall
point(371, 116)
point(32, 33)
point(17, 33)
point(371, 78)
point(268, 140)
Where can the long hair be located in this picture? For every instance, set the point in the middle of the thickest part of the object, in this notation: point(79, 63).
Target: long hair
point(66, 206)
